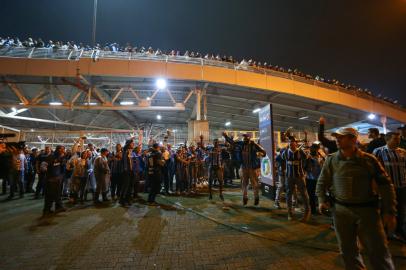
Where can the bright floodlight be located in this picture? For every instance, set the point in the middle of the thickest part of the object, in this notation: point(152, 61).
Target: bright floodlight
point(14, 109)
point(91, 103)
point(148, 98)
point(303, 117)
point(158, 117)
point(227, 124)
point(371, 116)
point(256, 110)
point(161, 84)
point(55, 103)
point(126, 103)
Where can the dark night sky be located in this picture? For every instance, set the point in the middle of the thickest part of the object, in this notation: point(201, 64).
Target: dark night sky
point(362, 42)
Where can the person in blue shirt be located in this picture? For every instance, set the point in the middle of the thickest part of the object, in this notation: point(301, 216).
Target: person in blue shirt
point(138, 169)
point(250, 163)
point(313, 165)
point(295, 177)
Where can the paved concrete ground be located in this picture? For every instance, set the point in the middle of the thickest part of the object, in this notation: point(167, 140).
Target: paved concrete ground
point(180, 233)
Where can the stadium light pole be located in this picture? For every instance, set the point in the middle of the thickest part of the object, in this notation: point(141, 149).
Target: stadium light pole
point(94, 23)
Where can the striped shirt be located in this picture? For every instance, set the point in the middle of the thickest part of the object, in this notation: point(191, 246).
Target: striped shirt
point(214, 157)
point(394, 162)
point(294, 162)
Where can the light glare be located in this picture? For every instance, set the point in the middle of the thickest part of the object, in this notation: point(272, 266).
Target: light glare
point(371, 116)
point(161, 84)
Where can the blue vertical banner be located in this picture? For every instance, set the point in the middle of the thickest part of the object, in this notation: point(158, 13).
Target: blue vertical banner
point(267, 141)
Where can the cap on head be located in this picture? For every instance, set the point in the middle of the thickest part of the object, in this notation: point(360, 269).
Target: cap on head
point(345, 131)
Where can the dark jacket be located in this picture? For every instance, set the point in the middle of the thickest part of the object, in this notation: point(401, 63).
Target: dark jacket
point(252, 161)
point(330, 144)
point(375, 143)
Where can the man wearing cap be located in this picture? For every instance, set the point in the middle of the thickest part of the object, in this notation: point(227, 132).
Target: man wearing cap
point(353, 179)
point(250, 163)
point(101, 172)
point(295, 158)
point(402, 130)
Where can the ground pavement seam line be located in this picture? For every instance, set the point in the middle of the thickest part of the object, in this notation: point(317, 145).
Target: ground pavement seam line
point(255, 234)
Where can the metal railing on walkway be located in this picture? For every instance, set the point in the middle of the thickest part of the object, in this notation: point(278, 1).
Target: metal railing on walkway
point(75, 55)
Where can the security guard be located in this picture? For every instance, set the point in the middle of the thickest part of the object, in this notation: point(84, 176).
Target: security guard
point(155, 165)
point(354, 179)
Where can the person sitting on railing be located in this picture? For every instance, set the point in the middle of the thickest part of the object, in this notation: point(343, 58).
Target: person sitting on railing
point(128, 47)
point(18, 43)
point(63, 46)
point(158, 52)
point(243, 63)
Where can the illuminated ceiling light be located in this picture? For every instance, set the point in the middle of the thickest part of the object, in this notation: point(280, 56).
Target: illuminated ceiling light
point(159, 117)
point(256, 110)
point(371, 116)
point(90, 103)
point(227, 124)
point(14, 109)
point(174, 130)
point(161, 84)
point(32, 130)
point(126, 103)
point(148, 98)
point(55, 103)
point(303, 117)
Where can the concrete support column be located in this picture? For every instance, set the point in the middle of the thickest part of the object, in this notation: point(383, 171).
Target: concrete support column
point(198, 93)
point(204, 106)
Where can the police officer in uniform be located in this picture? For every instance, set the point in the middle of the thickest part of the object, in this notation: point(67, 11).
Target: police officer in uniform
point(354, 179)
point(54, 179)
point(155, 165)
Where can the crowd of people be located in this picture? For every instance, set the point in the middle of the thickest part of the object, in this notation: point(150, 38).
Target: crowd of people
point(8, 42)
point(363, 185)
point(82, 171)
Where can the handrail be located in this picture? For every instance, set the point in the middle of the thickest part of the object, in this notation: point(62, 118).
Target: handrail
point(60, 54)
